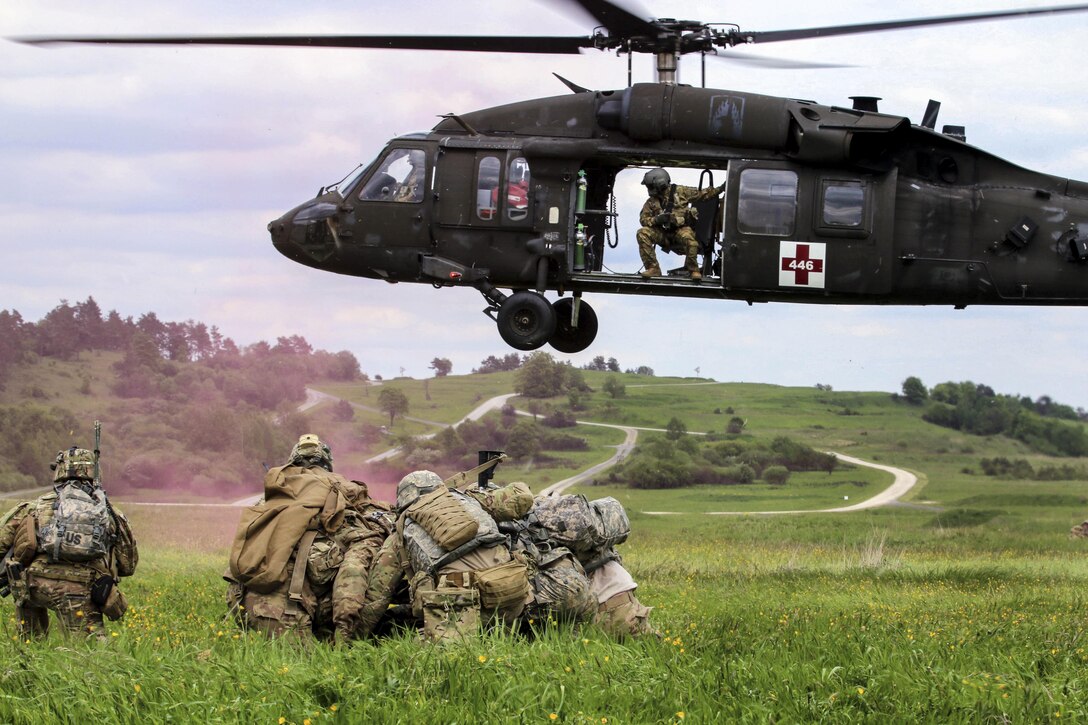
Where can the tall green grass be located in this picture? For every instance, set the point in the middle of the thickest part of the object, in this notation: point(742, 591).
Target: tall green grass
point(850, 618)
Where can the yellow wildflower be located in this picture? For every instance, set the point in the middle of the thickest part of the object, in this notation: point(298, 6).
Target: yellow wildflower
point(680, 714)
point(482, 659)
point(553, 716)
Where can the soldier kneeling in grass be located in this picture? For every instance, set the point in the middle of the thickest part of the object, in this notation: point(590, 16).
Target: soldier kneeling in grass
point(301, 557)
point(448, 548)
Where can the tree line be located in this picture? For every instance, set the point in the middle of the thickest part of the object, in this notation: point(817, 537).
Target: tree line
point(182, 405)
point(1047, 426)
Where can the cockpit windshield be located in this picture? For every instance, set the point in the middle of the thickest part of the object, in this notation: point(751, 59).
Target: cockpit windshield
point(348, 181)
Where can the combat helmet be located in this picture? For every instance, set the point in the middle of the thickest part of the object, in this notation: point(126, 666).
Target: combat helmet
point(656, 181)
point(414, 485)
point(73, 463)
point(310, 451)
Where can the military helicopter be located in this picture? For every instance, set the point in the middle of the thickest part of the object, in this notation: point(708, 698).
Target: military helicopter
point(821, 204)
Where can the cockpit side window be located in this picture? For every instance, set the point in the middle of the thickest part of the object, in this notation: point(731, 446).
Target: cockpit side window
point(487, 188)
point(401, 177)
point(517, 189)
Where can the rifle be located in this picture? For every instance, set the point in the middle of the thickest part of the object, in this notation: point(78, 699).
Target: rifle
point(489, 461)
point(97, 453)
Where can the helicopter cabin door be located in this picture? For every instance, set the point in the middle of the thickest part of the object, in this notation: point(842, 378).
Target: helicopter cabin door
point(484, 212)
point(809, 232)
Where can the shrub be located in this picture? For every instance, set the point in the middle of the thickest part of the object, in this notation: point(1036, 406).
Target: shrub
point(739, 474)
point(658, 474)
point(776, 475)
point(559, 419)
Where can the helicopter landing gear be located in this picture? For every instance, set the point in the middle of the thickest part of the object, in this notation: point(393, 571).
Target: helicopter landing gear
point(526, 321)
point(573, 334)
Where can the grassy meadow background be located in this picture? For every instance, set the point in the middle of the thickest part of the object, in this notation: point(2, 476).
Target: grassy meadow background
point(965, 602)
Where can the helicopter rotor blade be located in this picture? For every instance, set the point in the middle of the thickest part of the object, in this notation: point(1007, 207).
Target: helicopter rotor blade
point(775, 36)
point(619, 21)
point(770, 63)
point(478, 43)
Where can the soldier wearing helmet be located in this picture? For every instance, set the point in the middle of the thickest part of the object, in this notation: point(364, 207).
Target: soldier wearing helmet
point(66, 552)
point(666, 220)
point(301, 556)
point(411, 189)
point(449, 550)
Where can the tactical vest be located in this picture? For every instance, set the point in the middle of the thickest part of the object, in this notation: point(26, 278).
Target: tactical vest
point(427, 555)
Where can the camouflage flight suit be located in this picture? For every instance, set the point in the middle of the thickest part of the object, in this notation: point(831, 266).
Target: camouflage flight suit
point(674, 234)
point(64, 587)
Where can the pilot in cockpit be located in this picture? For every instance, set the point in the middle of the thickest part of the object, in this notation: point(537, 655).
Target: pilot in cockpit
point(411, 188)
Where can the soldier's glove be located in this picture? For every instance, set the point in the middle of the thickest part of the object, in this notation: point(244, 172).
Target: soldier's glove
point(664, 220)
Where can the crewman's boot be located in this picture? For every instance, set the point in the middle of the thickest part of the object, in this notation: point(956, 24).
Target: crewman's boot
point(649, 261)
point(691, 264)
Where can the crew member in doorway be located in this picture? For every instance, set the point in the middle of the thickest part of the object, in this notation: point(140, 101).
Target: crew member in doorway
point(666, 221)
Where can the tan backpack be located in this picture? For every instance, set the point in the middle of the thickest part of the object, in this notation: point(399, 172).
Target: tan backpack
point(296, 500)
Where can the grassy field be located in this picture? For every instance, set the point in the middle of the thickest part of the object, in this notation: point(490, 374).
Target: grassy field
point(870, 617)
point(965, 604)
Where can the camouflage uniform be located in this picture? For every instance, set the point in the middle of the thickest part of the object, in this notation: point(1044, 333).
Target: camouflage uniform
point(485, 582)
point(674, 234)
point(328, 597)
point(78, 592)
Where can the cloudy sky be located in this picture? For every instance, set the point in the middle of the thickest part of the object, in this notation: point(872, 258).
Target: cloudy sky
point(145, 176)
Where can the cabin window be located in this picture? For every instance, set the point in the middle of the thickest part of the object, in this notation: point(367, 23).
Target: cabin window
point(517, 189)
point(843, 203)
point(401, 177)
point(767, 202)
point(487, 188)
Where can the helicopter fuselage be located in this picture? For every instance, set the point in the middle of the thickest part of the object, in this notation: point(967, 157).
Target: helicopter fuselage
point(821, 204)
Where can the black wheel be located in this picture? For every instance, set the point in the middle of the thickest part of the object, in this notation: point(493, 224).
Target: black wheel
point(567, 338)
point(526, 320)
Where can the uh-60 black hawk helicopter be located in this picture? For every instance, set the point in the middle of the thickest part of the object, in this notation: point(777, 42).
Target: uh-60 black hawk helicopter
point(820, 204)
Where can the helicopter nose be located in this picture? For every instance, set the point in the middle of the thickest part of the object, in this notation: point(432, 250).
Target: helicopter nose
point(280, 231)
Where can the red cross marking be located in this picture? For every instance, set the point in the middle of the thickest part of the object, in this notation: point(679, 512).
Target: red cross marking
point(801, 265)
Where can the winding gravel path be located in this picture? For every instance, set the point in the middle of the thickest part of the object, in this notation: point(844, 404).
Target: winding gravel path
point(903, 480)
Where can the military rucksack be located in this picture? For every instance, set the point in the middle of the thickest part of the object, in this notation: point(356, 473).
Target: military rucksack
point(585, 527)
point(77, 529)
